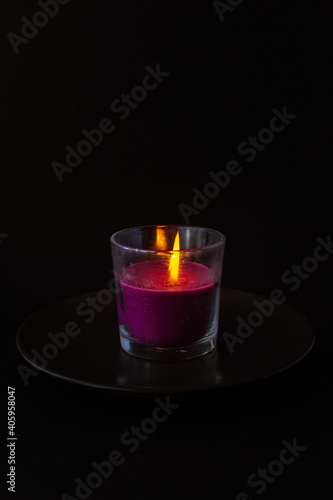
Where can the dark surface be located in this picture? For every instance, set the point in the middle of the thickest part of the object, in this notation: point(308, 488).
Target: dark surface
point(93, 357)
point(225, 79)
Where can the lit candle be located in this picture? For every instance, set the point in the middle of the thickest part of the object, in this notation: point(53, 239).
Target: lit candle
point(166, 303)
point(168, 294)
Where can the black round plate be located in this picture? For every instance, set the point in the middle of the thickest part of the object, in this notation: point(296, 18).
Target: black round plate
point(94, 356)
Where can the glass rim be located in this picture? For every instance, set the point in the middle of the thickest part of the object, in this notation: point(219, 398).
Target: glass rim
point(221, 241)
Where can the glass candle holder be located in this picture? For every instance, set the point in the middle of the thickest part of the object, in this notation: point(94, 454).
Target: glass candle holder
point(168, 281)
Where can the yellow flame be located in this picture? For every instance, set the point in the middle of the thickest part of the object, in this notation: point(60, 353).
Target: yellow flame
point(174, 260)
point(161, 240)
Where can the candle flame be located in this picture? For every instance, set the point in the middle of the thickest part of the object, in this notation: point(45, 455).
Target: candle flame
point(174, 260)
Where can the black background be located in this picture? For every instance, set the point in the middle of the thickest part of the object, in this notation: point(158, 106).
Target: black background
point(225, 79)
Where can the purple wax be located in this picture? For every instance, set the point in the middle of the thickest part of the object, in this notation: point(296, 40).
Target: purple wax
point(159, 312)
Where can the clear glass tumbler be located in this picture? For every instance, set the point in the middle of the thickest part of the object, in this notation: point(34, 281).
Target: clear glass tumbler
point(168, 281)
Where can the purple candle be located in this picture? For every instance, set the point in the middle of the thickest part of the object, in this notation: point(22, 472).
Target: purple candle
point(168, 290)
point(160, 311)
